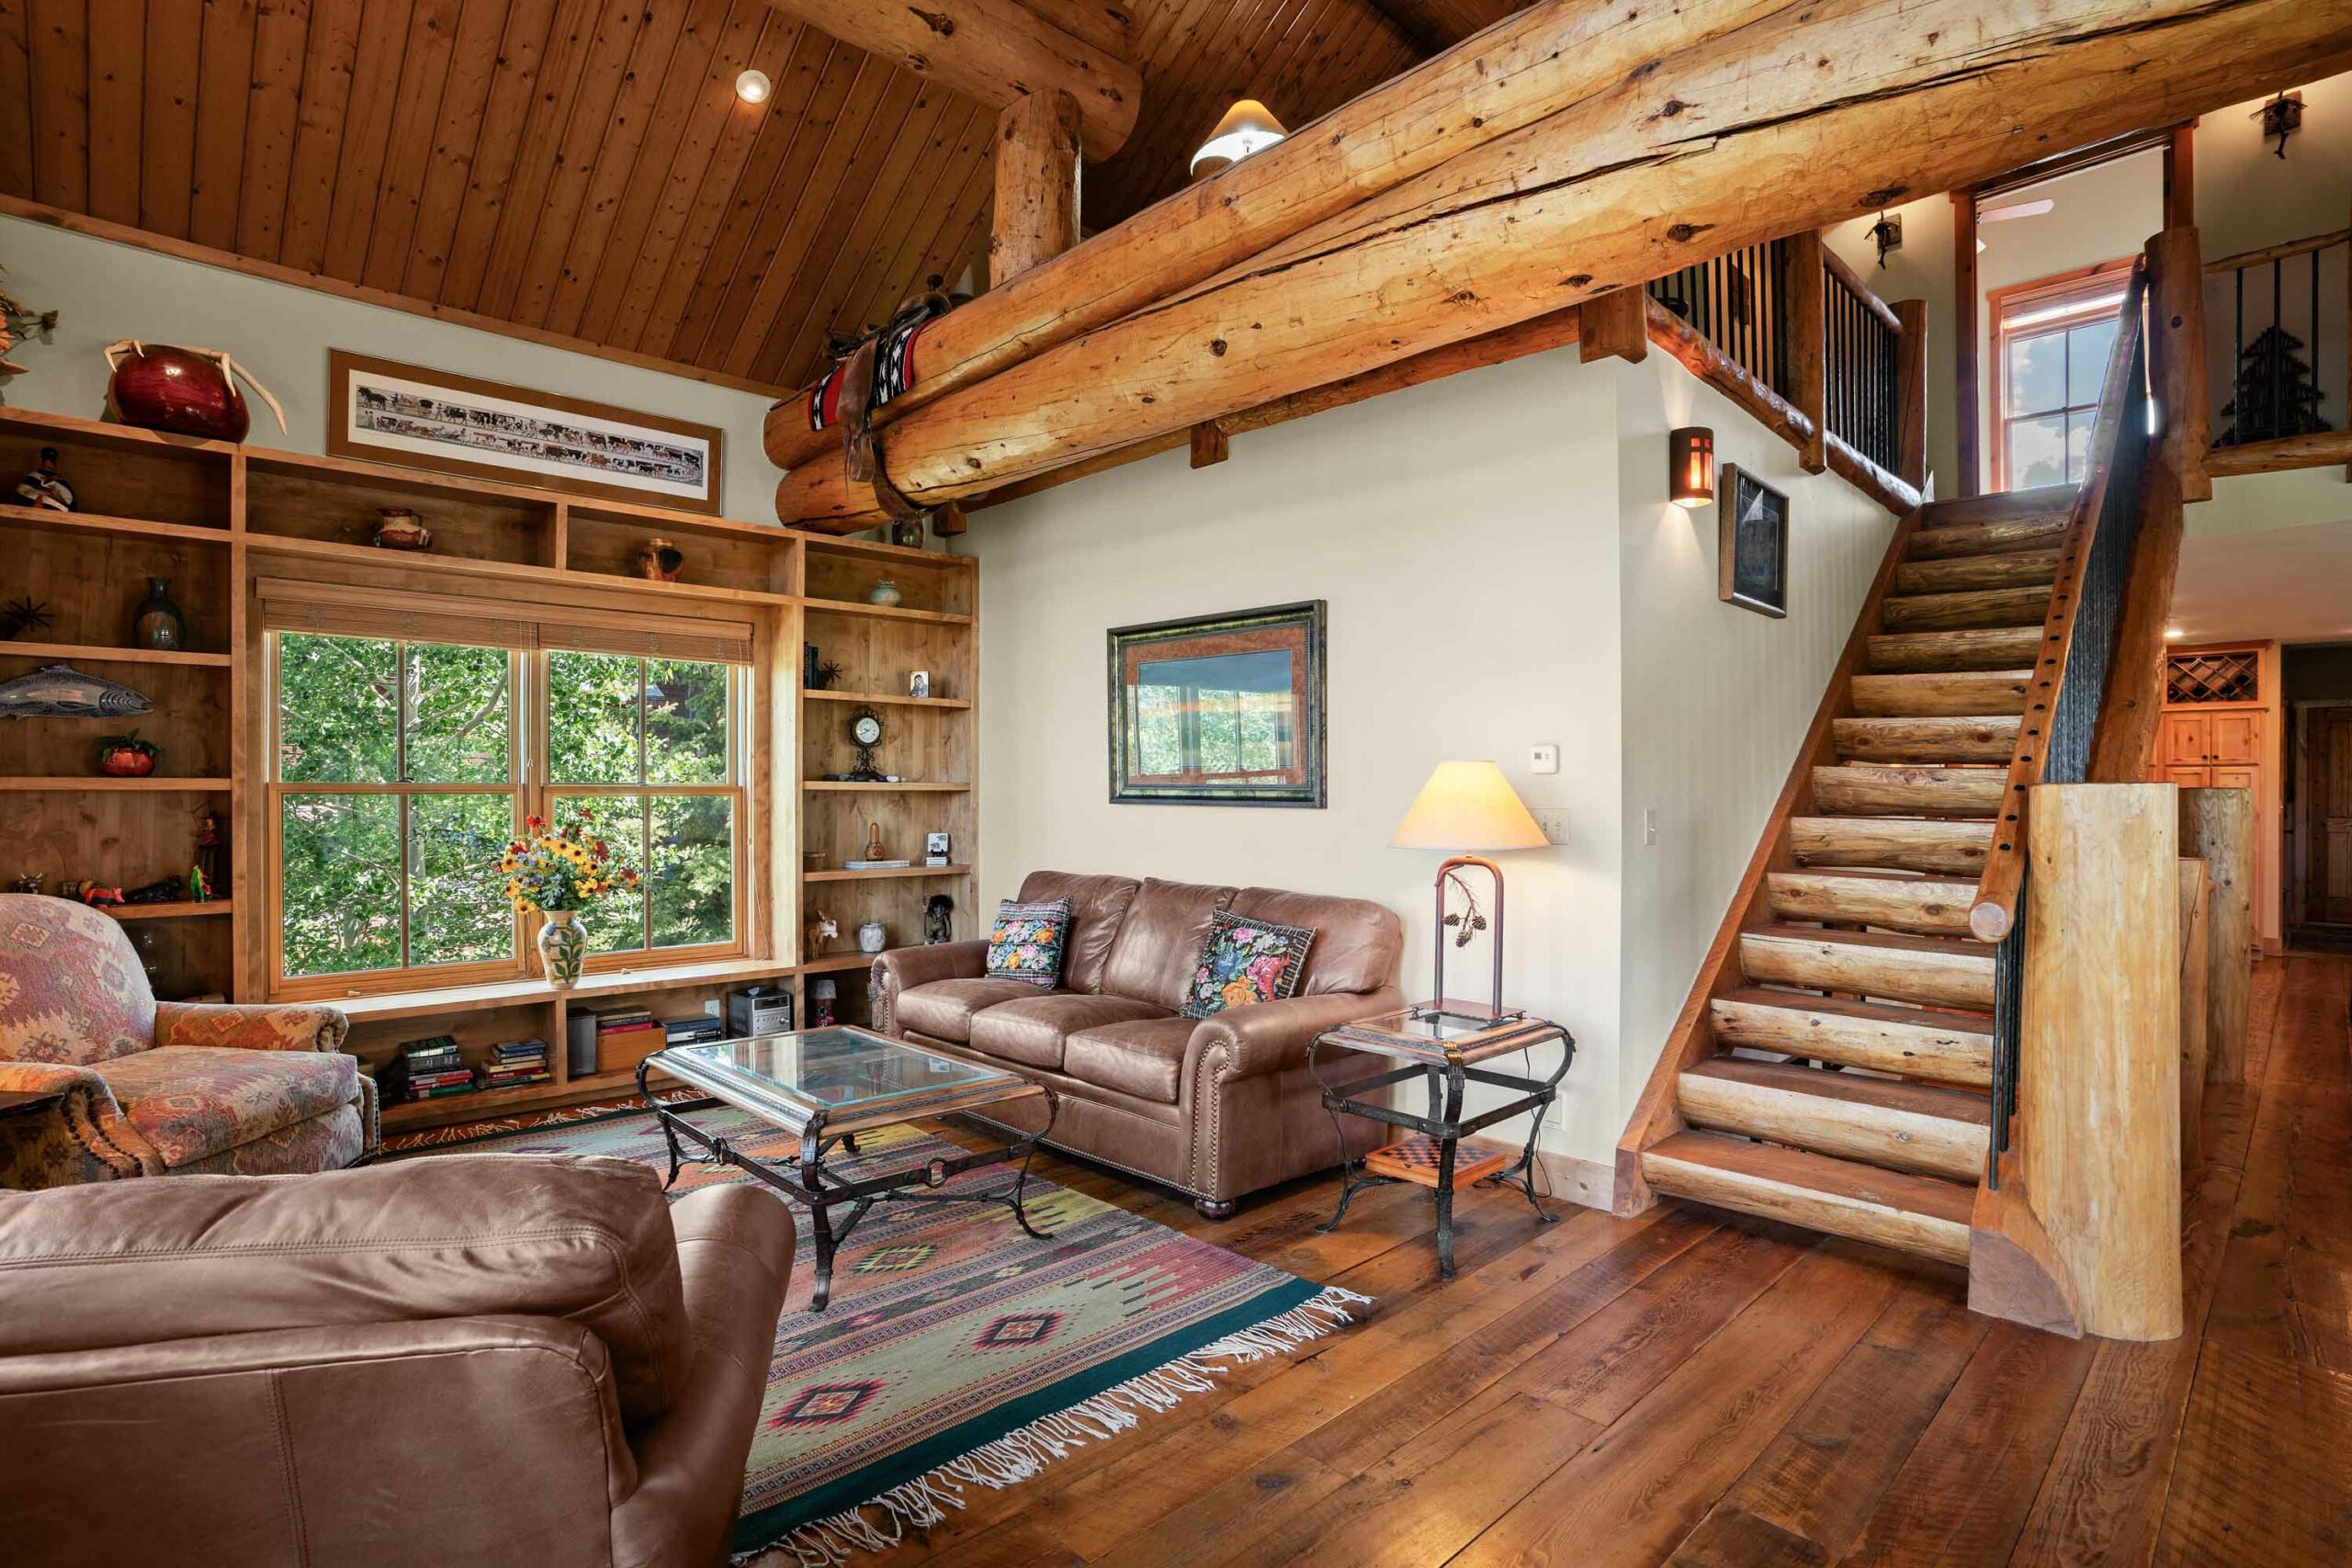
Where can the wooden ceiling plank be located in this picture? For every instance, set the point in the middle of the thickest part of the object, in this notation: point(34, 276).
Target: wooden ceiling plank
point(630, 51)
point(514, 95)
point(569, 53)
point(989, 52)
point(448, 40)
point(332, 52)
point(896, 272)
point(225, 83)
point(830, 264)
point(703, 183)
point(1176, 46)
point(60, 103)
point(16, 99)
point(1205, 68)
point(281, 40)
point(487, 36)
point(776, 175)
point(117, 86)
point(621, 196)
point(366, 127)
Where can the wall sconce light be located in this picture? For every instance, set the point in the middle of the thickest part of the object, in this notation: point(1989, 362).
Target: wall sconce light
point(752, 86)
point(1248, 127)
point(1691, 457)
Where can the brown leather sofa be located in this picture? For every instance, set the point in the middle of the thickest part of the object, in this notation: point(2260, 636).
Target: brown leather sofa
point(1215, 1108)
point(463, 1359)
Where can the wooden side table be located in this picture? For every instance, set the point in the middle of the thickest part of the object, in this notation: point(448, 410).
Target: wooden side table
point(1443, 1047)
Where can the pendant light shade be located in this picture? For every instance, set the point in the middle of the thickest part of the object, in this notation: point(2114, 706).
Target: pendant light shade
point(1248, 127)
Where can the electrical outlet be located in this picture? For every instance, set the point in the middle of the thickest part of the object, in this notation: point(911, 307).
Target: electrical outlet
point(1649, 825)
point(1544, 758)
point(1555, 823)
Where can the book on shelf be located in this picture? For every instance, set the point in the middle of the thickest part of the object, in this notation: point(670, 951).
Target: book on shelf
point(876, 864)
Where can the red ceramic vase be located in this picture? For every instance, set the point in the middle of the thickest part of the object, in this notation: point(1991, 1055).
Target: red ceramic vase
point(125, 762)
point(158, 387)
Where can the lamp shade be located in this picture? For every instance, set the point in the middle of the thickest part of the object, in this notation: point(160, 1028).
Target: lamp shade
point(1468, 806)
point(1248, 127)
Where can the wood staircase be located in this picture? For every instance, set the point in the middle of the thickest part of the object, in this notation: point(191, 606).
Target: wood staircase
point(1833, 1065)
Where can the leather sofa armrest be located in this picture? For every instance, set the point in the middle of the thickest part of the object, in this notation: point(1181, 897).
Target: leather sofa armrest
point(1273, 1037)
point(284, 1026)
point(64, 1143)
point(903, 968)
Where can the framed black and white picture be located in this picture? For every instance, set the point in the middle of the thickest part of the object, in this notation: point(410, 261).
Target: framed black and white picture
point(1220, 710)
point(1752, 542)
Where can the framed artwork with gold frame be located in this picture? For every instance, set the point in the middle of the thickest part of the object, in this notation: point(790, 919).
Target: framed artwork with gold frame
point(1220, 710)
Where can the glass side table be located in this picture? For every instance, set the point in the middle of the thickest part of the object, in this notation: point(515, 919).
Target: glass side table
point(1446, 1048)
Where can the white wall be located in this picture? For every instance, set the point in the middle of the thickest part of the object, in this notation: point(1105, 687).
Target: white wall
point(1919, 269)
point(1502, 569)
point(103, 291)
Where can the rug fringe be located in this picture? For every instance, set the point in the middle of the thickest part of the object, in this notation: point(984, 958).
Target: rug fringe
point(1024, 1453)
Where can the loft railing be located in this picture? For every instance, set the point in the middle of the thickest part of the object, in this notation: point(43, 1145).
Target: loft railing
point(1739, 302)
point(2279, 383)
point(2068, 684)
point(1862, 347)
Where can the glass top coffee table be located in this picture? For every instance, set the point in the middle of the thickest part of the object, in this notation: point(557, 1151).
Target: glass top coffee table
point(826, 1086)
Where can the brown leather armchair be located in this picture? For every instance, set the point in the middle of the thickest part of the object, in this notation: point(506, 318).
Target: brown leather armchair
point(461, 1359)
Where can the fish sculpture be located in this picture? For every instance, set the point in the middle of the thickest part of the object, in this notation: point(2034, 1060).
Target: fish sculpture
point(60, 690)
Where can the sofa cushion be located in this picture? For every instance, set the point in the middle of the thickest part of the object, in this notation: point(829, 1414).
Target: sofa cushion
point(1097, 905)
point(193, 1101)
point(1357, 946)
point(1142, 1057)
point(1029, 1032)
point(1246, 960)
point(1160, 941)
point(943, 1009)
point(1025, 942)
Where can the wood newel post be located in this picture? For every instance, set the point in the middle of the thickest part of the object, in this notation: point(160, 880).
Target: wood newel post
point(2098, 1077)
point(1614, 325)
point(2177, 357)
point(1911, 394)
point(2217, 827)
point(1036, 184)
point(1806, 292)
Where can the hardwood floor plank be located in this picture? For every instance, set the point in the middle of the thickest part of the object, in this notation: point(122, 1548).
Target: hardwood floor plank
point(2265, 1473)
point(1733, 1538)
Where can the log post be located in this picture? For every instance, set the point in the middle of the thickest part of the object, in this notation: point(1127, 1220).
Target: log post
point(1036, 184)
point(1805, 289)
point(2217, 827)
point(1911, 394)
point(2177, 357)
point(2196, 983)
point(1615, 326)
point(2098, 1089)
point(1969, 347)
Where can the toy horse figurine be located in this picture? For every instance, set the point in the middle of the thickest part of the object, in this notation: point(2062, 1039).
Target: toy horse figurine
point(822, 930)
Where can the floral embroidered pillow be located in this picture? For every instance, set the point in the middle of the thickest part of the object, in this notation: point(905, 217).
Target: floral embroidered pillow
point(1246, 960)
point(1027, 943)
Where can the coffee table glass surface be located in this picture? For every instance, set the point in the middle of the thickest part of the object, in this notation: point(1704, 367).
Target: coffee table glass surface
point(843, 1078)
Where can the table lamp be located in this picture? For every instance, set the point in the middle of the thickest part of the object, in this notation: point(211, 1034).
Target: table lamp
point(1467, 808)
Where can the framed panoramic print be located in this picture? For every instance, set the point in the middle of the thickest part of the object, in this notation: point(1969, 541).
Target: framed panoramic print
point(431, 418)
point(1752, 542)
point(1220, 710)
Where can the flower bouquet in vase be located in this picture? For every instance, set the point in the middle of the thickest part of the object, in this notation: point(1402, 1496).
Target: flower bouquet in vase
point(558, 872)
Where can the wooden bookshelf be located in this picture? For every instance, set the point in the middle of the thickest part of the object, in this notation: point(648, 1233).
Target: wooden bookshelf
point(219, 520)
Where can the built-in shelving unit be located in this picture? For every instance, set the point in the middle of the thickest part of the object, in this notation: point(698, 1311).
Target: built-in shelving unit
point(219, 520)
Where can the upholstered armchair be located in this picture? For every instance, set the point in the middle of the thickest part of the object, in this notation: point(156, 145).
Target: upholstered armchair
point(149, 1089)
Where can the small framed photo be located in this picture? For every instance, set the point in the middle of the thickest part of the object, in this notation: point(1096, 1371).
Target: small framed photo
point(919, 684)
point(1752, 542)
point(934, 849)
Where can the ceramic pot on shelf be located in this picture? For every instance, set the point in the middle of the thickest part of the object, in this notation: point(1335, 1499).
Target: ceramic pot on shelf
point(158, 623)
point(563, 946)
point(187, 391)
point(886, 592)
point(399, 528)
point(873, 937)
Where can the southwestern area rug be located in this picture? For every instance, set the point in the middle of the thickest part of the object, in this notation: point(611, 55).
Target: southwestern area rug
point(957, 1351)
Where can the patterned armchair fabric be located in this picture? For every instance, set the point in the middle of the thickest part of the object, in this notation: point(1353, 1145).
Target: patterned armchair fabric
point(147, 1090)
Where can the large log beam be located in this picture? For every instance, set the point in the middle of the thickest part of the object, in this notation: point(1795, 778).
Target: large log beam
point(993, 51)
point(1747, 135)
point(1546, 59)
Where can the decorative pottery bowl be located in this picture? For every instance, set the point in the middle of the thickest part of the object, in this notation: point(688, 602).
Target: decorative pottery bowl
point(399, 529)
point(885, 592)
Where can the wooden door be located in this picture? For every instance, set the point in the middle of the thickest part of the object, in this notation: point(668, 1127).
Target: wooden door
point(2235, 737)
point(2183, 739)
point(2330, 782)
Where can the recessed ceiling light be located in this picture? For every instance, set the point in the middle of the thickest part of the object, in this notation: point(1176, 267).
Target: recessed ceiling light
point(2172, 634)
point(754, 86)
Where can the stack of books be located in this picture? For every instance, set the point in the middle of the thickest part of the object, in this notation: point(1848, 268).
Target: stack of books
point(625, 1037)
point(512, 1064)
point(426, 1069)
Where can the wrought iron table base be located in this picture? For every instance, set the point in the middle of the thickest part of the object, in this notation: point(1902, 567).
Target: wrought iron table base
point(1443, 1123)
point(805, 1177)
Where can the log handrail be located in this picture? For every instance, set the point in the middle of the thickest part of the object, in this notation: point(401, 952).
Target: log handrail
point(2279, 253)
point(1843, 271)
point(1993, 912)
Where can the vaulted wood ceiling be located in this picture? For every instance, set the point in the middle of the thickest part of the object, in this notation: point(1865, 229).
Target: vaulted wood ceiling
point(583, 168)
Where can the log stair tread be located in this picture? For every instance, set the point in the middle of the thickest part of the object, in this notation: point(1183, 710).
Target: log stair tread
point(1935, 971)
point(1921, 1128)
point(1982, 738)
point(1893, 789)
point(1976, 608)
point(1963, 574)
point(1907, 843)
point(1964, 694)
point(1853, 1089)
point(1926, 904)
point(1893, 1208)
point(1987, 538)
point(1918, 1042)
point(1973, 650)
point(2001, 505)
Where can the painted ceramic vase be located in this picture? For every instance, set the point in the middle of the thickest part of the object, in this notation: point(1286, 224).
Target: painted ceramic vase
point(872, 937)
point(186, 392)
point(562, 945)
point(399, 529)
point(885, 592)
point(659, 561)
point(158, 623)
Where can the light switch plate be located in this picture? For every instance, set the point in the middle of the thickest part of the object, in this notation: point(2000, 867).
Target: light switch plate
point(1544, 758)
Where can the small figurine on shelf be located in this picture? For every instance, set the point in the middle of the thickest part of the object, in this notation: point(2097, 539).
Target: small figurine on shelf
point(82, 890)
point(885, 594)
point(28, 883)
point(823, 929)
point(42, 489)
point(126, 756)
point(208, 858)
point(822, 992)
point(919, 684)
point(166, 890)
point(874, 849)
point(157, 623)
point(200, 886)
point(659, 561)
point(938, 920)
point(60, 690)
point(399, 528)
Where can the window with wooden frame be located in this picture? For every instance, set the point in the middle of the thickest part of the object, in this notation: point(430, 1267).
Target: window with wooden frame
point(401, 766)
point(2050, 341)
